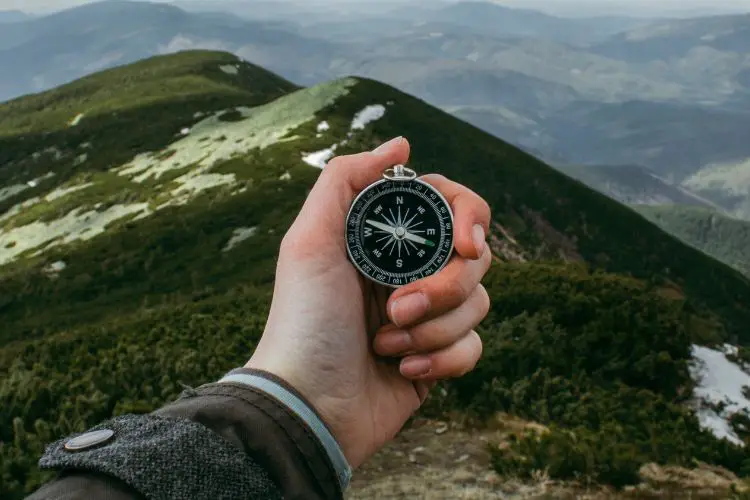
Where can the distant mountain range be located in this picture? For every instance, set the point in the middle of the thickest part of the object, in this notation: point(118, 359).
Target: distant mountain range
point(633, 185)
point(669, 95)
point(13, 16)
point(722, 237)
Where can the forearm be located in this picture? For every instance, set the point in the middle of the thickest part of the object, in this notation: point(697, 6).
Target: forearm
point(222, 440)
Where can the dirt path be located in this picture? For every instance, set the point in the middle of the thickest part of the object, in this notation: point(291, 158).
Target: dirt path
point(432, 460)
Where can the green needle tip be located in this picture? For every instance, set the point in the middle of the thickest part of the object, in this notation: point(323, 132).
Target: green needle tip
point(429, 243)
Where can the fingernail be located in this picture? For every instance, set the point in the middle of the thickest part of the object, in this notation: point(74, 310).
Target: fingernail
point(409, 308)
point(386, 146)
point(478, 236)
point(393, 342)
point(416, 367)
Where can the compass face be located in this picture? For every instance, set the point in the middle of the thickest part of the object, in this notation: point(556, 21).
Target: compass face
point(399, 231)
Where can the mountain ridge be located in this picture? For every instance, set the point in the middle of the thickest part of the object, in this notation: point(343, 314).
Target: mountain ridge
point(187, 199)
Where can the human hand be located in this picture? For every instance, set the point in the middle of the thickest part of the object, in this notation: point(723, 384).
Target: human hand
point(334, 336)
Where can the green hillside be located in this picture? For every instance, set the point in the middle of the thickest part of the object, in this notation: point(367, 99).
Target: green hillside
point(122, 273)
point(722, 237)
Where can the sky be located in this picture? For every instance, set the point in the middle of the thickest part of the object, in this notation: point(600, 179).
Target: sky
point(560, 7)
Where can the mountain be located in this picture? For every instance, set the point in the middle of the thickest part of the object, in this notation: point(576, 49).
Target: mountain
point(142, 209)
point(466, 18)
point(64, 46)
point(722, 237)
point(13, 16)
point(634, 185)
point(515, 73)
point(494, 19)
point(728, 184)
point(675, 38)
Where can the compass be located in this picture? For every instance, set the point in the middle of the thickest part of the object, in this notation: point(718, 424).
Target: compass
point(399, 229)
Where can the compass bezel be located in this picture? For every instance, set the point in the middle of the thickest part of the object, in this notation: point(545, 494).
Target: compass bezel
point(410, 276)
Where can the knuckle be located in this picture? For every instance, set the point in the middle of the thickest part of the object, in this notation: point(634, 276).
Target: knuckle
point(335, 162)
point(429, 336)
point(455, 290)
point(484, 300)
point(484, 209)
point(486, 259)
point(476, 349)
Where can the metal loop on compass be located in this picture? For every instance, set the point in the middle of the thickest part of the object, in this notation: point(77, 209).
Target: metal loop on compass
point(399, 173)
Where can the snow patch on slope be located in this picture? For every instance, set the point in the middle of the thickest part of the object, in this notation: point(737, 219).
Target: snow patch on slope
point(230, 69)
point(61, 192)
point(209, 143)
point(719, 381)
point(367, 116)
point(76, 120)
point(76, 225)
point(212, 140)
point(14, 189)
point(319, 158)
point(240, 234)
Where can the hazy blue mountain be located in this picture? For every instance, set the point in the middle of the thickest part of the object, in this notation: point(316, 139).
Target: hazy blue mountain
point(13, 16)
point(468, 18)
point(61, 47)
point(671, 95)
point(673, 139)
point(673, 39)
point(497, 20)
point(635, 185)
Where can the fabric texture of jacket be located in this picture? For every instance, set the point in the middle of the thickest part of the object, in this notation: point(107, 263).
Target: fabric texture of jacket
point(248, 436)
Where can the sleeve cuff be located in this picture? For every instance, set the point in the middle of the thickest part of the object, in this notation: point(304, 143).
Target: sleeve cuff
point(287, 396)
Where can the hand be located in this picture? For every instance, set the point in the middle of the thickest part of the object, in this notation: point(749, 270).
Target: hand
point(336, 337)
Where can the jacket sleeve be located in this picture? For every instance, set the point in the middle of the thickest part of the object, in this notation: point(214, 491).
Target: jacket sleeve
point(248, 436)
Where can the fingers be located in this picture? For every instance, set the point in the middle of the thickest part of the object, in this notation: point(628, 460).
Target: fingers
point(471, 215)
point(453, 361)
point(435, 295)
point(438, 333)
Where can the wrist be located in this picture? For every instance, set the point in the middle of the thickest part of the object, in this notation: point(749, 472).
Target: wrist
point(286, 394)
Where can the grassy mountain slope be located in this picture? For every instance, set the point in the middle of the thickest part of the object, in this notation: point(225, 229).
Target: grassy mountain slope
point(146, 260)
point(722, 237)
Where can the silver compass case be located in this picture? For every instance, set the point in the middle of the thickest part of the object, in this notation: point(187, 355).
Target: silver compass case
point(399, 229)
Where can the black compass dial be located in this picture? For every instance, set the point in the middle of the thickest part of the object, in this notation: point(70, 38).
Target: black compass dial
point(399, 232)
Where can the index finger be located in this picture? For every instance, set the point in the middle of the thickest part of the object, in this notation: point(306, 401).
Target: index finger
point(470, 212)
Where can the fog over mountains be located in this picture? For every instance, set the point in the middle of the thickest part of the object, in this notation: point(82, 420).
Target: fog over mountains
point(668, 95)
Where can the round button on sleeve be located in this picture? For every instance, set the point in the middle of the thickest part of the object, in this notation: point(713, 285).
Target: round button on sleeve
point(89, 440)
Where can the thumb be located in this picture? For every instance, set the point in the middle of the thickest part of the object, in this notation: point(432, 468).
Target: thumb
point(343, 178)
